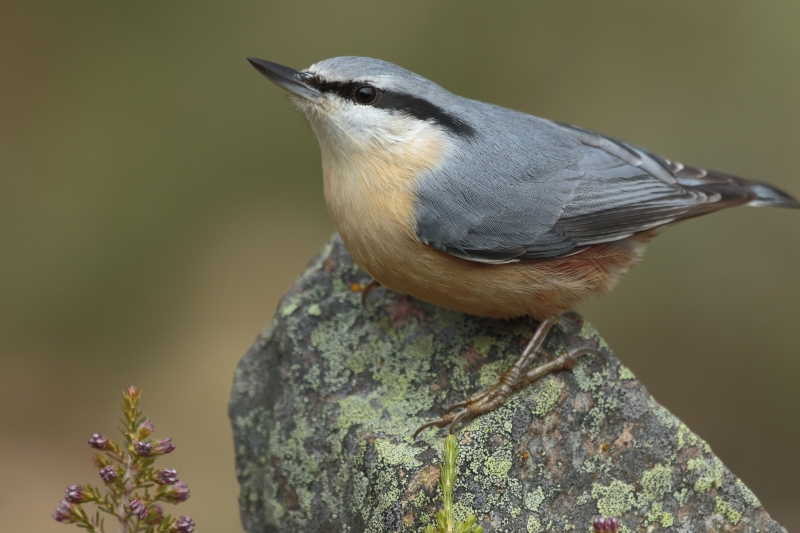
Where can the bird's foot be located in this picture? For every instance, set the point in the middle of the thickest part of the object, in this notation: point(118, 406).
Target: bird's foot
point(511, 380)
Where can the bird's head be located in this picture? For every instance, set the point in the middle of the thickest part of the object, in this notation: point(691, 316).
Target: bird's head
point(359, 105)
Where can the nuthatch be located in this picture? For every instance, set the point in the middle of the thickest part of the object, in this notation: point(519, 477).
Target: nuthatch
point(486, 210)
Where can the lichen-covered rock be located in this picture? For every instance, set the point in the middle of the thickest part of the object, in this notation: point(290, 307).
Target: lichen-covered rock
point(325, 403)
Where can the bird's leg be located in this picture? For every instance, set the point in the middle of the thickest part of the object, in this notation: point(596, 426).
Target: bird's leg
point(512, 379)
point(512, 374)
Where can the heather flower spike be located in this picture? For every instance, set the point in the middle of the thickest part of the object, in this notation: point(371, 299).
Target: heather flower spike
point(76, 494)
point(163, 447)
point(109, 474)
point(138, 508)
point(65, 513)
point(156, 516)
point(179, 492)
point(98, 441)
point(605, 525)
point(146, 429)
point(143, 449)
point(183, 525)
point(166, 476)
point(127, 469)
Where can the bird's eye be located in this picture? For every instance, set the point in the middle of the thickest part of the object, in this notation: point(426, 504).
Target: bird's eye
point(366, 94)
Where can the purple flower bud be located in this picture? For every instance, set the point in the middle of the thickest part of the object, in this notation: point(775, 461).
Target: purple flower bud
point(143, 449)
point(138, 508)
point(98, 441)
point(146, 428)
point(179, 492)
point(183, 525)
point(109, 474)
point(76, 494)
point(163, 447)
point(65, 513)
point(156, 515)
point(168, 476)
point(605, 525)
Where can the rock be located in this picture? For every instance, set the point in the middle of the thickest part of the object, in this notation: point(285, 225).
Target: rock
point(325, 403)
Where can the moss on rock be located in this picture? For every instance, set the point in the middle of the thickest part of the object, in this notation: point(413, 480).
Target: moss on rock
point(326, 401)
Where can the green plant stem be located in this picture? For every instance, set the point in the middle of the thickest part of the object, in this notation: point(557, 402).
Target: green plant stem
point(124, 497)
point(445, 521)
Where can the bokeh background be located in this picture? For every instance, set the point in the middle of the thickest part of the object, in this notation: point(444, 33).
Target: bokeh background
point(157, 196)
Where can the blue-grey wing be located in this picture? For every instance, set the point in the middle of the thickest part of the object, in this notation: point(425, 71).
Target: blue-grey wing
point(550, 190)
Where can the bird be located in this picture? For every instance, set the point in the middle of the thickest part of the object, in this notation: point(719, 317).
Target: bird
point(486, 210)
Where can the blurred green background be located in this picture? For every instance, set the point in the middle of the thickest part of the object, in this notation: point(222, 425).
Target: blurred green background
point(158, 197)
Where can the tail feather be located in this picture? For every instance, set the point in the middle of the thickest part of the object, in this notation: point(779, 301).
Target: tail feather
point(770, 196)
point(733, 190)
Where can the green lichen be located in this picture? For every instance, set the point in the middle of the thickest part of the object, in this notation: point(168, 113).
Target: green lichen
point(596, 416)
point(496, 468)
point(461, 511)
point(681, 496)
point(546, 395)
point(314, 310)
point(711, 473)
point(656, 482)
point(686, 435)
point(625, 373)
point(396, 453)
point(663, 414)
point(726, 509)
point(327, 339)
point(289, 308)
point(482, 345)
point(312, 377)
point(589, 380)
point(657, 514)
point(589, 334)
point(598, 465)
point(533, 525)
point(615, 499)
point(747, 495)
point(300, 467)
point(490, 469)
point(534, 499)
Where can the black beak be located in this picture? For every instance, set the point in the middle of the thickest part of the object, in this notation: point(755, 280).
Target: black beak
point(286, 78)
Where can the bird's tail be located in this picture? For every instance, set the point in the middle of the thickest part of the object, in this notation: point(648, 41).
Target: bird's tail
point(769, 195)
point(733, 190)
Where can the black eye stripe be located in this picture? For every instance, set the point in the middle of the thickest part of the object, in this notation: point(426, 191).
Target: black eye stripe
point(424, 110)
point(398, 102)
point(340, 88)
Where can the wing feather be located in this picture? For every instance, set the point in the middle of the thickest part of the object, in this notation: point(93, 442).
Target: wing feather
point(550, 190)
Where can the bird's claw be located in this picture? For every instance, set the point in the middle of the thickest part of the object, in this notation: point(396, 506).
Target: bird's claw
point(450, 418)
point(509, 382)
point(368, 289)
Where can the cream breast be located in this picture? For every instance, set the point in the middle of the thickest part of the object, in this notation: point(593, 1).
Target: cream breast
point(369, 192)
